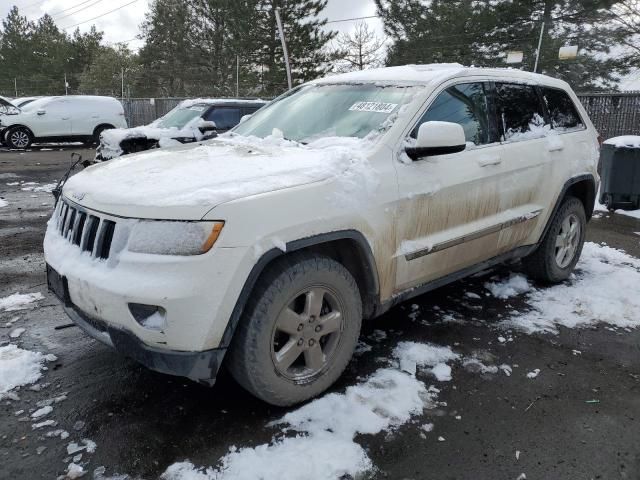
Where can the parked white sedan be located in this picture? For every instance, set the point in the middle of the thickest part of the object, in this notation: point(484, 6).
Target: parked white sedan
point(70, 118)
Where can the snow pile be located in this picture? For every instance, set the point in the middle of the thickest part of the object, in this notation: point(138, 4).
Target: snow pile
point(3, 203)
point(47, 188)
point(224, 169)
point(325, 447)
point(604, 289)
point(19, 367)
point(628, 141)
point(514, 285)
point(411, 355)
point(19, 301)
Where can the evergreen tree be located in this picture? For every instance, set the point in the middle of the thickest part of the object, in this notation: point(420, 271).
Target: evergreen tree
point(15, 49)
point(104, 76)
point(166, 57)
point(306, 43)
point(481, 32)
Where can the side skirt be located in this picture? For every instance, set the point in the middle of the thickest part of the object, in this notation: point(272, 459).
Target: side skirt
point(515, 254)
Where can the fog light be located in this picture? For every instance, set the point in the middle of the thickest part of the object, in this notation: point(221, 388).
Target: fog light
point(152, 317)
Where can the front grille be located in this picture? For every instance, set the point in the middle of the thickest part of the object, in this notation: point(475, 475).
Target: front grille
point(91, 233)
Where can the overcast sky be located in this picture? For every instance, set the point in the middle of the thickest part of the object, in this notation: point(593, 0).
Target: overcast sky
point(122, 25)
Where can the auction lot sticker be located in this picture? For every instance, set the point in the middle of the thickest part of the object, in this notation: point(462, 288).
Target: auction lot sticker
point(376, 107)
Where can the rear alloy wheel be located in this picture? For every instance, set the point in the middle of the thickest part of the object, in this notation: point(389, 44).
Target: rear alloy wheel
point(299, 330)
point(557, 255)
point(18, 138)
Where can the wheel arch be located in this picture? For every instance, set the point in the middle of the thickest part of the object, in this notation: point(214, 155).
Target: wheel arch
point(15, 125)
point(104, 126)
point(348, 247)
point(583, 187)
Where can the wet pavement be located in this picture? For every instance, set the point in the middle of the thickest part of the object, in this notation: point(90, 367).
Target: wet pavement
point(579, 419)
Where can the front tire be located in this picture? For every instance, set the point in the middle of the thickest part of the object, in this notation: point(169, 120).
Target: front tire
point(560, 250)
point(95, 139)
point(298, 331)
point(19, 138)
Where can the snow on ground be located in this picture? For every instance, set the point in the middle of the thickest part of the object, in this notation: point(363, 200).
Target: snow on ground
point(19, 301)
point(324, 446)
point(512, 286)
point(604, 288)
point(47, 188)
point(19, 367)
point(629, 213)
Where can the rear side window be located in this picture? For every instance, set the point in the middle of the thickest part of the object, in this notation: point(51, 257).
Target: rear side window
point(464, 104)
point(224, 117)
point(520, 112)
point(562, 111)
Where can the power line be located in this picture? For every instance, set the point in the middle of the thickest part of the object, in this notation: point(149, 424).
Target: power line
point(79, 10)
point(100, 16)
point(352, 19)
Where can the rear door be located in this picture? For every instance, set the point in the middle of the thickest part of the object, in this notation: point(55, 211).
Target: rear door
point(529, 146)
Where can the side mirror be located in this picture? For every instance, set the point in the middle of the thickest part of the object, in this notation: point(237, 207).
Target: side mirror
point(437, 138)
point(245, 118)
point(207, 126)
point(41, 112)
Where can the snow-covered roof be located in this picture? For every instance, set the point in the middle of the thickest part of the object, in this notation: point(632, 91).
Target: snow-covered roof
point(209, 101)
point(430, 73)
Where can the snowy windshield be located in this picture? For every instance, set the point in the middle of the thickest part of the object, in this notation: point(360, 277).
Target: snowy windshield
point(180, 116)
point(333, 110)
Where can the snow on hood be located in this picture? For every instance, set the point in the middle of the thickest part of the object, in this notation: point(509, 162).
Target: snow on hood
point(224, 169)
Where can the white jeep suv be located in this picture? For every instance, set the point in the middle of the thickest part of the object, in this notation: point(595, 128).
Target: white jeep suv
point(265, 248)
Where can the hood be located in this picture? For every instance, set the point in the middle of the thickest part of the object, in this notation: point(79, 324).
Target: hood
point(186, 182)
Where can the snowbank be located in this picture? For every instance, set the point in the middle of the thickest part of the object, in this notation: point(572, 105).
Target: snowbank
point(514, 285)
point(324, 447)
point(19, 367)
point(224, 169)
point(629, 141)
point(603, 289)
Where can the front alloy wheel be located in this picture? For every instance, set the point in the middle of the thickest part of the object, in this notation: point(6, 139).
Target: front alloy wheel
point(306, 334)
point(18, 138)
point(298, 330)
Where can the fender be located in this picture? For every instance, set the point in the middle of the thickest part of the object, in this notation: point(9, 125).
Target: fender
point(370, 270)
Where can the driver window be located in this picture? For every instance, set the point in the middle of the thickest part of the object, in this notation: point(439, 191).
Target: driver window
point(464, 104)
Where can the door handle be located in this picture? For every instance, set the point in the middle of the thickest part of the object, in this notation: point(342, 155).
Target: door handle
point(555, 145)
point(486, 160)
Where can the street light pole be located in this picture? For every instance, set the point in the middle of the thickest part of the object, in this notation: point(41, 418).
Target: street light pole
point(535, 67)
point(284, 47)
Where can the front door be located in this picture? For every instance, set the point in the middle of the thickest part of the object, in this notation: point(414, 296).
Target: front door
point(52, 119)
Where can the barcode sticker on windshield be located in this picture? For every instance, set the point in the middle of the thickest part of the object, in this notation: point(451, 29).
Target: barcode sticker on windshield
point(376, 107)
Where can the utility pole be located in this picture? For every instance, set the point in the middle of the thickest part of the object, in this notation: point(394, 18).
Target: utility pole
point(66, 85)
point(535, 67)
point(237, 76)
point(122, 83)
point(284, 47)
point(15, 85)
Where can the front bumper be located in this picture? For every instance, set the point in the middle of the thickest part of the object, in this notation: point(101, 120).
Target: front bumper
point(201, 367)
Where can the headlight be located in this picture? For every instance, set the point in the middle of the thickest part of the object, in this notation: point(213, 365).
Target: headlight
point(174, 238)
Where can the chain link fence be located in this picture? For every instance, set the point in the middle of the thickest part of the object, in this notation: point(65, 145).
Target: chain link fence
point(613, 114)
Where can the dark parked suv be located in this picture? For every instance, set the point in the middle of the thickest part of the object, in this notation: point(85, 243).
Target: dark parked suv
point(190, 121)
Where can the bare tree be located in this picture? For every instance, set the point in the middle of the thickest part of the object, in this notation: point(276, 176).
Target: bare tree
point(359, 50)
point(626, 14)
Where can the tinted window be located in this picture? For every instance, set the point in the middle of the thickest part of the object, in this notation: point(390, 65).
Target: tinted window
point(520, 112)
point(465, 105)
point(562, 111)
point(224, 117)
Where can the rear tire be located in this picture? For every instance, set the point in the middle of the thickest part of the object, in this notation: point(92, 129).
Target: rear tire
point(95, 139)
point(19, 138)
point(298, 331)
point(560, 250)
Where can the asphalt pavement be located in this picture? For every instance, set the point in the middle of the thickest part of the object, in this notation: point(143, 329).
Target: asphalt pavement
point(580, 420)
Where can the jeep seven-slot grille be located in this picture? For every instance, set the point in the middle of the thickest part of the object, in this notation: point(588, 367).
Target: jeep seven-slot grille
point(90, 232)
